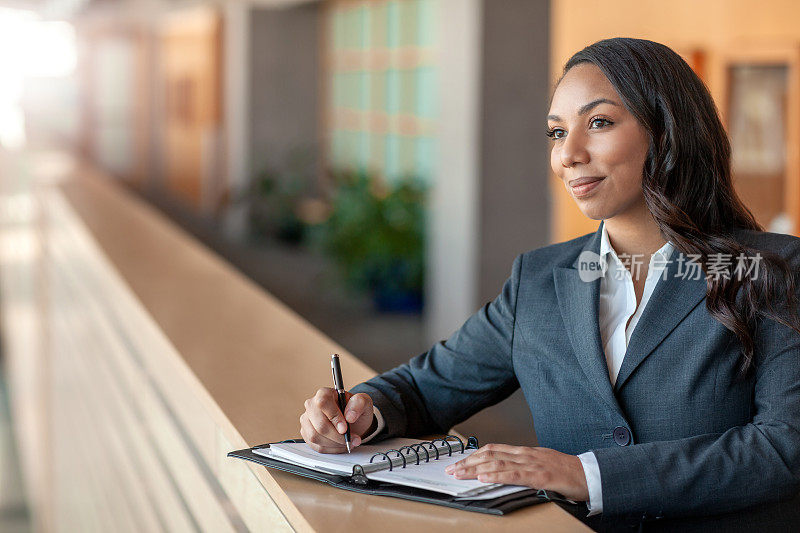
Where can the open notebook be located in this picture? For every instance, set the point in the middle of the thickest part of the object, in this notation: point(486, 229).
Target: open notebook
point(400, 468)
point(413, 464)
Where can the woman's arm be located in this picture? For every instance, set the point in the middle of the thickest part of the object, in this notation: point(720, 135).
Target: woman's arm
point(430, 393)
point(456, 378)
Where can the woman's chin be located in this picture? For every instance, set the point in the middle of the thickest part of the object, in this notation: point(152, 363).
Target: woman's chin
point(592, 212)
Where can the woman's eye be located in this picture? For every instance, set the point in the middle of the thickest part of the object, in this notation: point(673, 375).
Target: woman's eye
point(556, 133)
point(599, 123)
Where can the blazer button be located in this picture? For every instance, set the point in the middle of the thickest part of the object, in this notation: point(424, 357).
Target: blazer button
point(622, 436)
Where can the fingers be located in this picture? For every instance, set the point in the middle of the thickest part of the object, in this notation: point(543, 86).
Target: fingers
point(319, 422)
point(541, 468)
point(323, 413)
point(507, 448)
point(491, 458)
point(498, 462)
point(315, 440)
point(509, 477)
point(357, 406)
point(489, 452)
point(323, 425)
point(327, 402)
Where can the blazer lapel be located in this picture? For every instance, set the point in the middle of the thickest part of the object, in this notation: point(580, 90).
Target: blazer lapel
point(672, 299)
point(578, 302)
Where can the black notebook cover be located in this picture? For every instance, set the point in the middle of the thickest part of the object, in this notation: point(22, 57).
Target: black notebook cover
point(497, 506)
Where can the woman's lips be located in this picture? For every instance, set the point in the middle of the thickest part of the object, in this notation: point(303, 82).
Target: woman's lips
point(583, 186)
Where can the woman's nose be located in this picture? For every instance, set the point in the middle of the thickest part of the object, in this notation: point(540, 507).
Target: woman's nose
point(573, 150)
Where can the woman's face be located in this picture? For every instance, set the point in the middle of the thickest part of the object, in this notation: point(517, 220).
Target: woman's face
point(599, 148)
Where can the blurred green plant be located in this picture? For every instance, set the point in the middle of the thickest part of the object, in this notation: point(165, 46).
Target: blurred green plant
point(376, 235)
point(275, 198)
point(273, 208)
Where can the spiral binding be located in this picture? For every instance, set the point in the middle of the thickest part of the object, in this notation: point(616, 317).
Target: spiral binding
point(359, 471)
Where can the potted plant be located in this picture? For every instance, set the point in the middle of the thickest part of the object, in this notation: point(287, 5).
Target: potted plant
point(375, 234)
point(277, 197)
point(273, 208)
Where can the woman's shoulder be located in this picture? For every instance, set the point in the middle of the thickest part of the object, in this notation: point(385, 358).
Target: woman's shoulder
point(558, 254)
point(778, 243)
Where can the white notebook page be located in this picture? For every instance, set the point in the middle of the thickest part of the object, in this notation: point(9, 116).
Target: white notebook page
point(426, 475)
point(301, 454)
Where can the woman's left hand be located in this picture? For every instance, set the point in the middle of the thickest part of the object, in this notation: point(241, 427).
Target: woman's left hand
point(540, 468)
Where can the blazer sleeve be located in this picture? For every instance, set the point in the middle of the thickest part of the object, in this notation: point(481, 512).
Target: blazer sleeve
point(456, 378)
point(707, 474)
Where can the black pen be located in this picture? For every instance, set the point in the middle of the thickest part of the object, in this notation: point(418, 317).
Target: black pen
point(338, 384)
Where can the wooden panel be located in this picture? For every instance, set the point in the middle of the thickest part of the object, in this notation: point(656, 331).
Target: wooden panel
point(191, 45)
point(148, 363)
point(114, 404)
point(127, 478)
point(121, 458)
point(25, 353)
point(780, 188)
point(118, 388)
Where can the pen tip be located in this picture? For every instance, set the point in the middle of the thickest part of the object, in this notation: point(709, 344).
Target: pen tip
point(348, 446)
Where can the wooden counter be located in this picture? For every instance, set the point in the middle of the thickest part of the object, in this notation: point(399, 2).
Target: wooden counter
point(137, 359)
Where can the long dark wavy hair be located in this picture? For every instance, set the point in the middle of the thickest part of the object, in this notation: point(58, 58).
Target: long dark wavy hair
point(687, 182)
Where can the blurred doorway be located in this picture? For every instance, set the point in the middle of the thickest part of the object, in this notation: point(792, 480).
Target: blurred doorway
point(114, 99)
point(761, 106)
point(191, 42)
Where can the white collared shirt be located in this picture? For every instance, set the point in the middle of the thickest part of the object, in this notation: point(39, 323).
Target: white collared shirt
point(617, 305)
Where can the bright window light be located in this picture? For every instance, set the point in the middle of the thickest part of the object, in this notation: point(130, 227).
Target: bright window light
point(29, 47)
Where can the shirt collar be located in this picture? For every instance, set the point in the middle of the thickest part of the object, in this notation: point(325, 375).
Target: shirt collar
point(605, 247)
point(605, 244)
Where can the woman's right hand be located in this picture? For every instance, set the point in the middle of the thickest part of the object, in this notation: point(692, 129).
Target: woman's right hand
point(322, 425)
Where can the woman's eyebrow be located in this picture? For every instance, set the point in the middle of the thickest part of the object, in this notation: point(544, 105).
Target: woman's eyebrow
point(586, 107)
point(591, 105)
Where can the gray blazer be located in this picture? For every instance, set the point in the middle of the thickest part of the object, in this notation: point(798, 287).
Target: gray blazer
point(677, 435)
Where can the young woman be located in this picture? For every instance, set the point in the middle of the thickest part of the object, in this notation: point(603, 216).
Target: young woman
point(672, 394)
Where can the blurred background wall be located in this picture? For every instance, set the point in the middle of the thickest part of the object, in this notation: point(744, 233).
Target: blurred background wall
point(377, 165)
point(392, 88)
